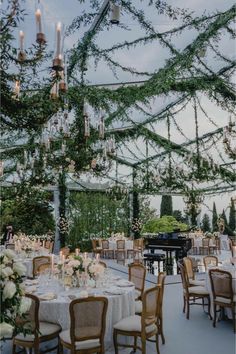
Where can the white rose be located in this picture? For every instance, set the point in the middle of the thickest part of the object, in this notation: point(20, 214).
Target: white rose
point(9, 254)
point(19, 268)
point(6, 330)
point(24, 305)
point(6, 272)
point(9, 290)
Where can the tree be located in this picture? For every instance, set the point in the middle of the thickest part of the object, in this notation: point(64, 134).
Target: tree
point(227, 230)
point(232, 215)
point(214, 218)
point(164, 224)
point(166, 205)
point(177, 214)
point(205, 224)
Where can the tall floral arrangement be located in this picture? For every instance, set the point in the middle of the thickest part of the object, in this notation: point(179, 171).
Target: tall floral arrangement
point(13, 302)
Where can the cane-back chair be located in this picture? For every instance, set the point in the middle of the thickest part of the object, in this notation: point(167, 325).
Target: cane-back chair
point(188, 263)
point(39, 261)
point(210, 261)
point(87, 328)
point(137, 274)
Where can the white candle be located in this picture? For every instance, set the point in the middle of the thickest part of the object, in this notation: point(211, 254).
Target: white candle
point(58, 52)
point(22, 36)
point(44, 244)
point(76, 251)
point(38, 20)
point(60, 255)
point(52, 262)
point(97, 256)
point(63, 259)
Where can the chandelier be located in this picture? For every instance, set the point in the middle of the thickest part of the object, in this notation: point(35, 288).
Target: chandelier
point(229, 139)
point(193, 203)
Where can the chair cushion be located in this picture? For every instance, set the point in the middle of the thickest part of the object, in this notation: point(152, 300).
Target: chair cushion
point(138, 307)
point(199, 290)
point(45, 329)
point(133, 324)
point(85, 344)
point(197, 282)
point(224, 300)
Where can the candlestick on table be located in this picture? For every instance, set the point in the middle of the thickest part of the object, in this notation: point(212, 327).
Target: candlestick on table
point(97, 256)
point(43, 243)
point(60, 255)
point(52, 262)
point(77, 251)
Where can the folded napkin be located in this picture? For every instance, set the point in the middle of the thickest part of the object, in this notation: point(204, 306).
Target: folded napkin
point(47, 297)
point(114, 291)
point(125, 284)
point(31, 282)
point(31, 289)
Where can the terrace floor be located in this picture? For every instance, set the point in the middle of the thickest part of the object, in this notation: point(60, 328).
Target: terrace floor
point(193, 336)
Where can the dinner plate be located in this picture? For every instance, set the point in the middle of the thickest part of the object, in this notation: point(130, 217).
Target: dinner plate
point(47, 297)
point(114, 292)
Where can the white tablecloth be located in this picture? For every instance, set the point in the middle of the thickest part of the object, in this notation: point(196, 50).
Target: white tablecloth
point(228, 268)
point(128, 245)
point(119, 306)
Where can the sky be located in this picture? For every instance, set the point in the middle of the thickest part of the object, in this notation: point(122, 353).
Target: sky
point(150, 59)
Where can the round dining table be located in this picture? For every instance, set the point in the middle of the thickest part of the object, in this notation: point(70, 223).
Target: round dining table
point(55, 301)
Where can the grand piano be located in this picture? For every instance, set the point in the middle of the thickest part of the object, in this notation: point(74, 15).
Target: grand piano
point(169, 242)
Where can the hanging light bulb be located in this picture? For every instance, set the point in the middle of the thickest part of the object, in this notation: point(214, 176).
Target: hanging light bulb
point(21, 54)
point(32, 161)
point(115, 13)
point(44, 162)
point(63, 147)
point(101, 127)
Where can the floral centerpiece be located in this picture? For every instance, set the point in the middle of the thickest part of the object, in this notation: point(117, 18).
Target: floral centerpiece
point(81, 267)
point(13, 304)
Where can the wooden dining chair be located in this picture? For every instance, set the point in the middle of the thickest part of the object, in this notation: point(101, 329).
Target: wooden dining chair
point(49, 245)
point(137, 274)
point(144, 326)
point(96, 248)
point(106, 251)
point(222, 290)
point(210, 260)
point(188, 263)
point(192, 293)
point(39, 261)
point(10, 246)
point(103, 264)
point(87, 326)
point(204, 248)
point(120, 252)
point(161, 282)
point(65, 251)
point(38, 331)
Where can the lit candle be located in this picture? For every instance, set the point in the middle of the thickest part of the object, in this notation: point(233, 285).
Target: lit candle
point(38, 20)
point(22, 36)
point(17, 88)
point(60, 255)
point(97, 257)
point(58, 39)
point(52, 262)
point(85, 255)
point(63, 260)
point(76, 251)
point(44, 244)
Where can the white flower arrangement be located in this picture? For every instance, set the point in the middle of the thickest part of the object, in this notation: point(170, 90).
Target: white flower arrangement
point(12, 301)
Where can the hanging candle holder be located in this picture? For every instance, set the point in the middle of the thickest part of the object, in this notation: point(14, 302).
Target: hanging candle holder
point(86, 122)
point(57, 64)
point(40, 36)
point(16, 91)
point(25, 159)
point(101, 127)
point(115, 13)
point(21, 53)
point(1, 168)
point(54, 91)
